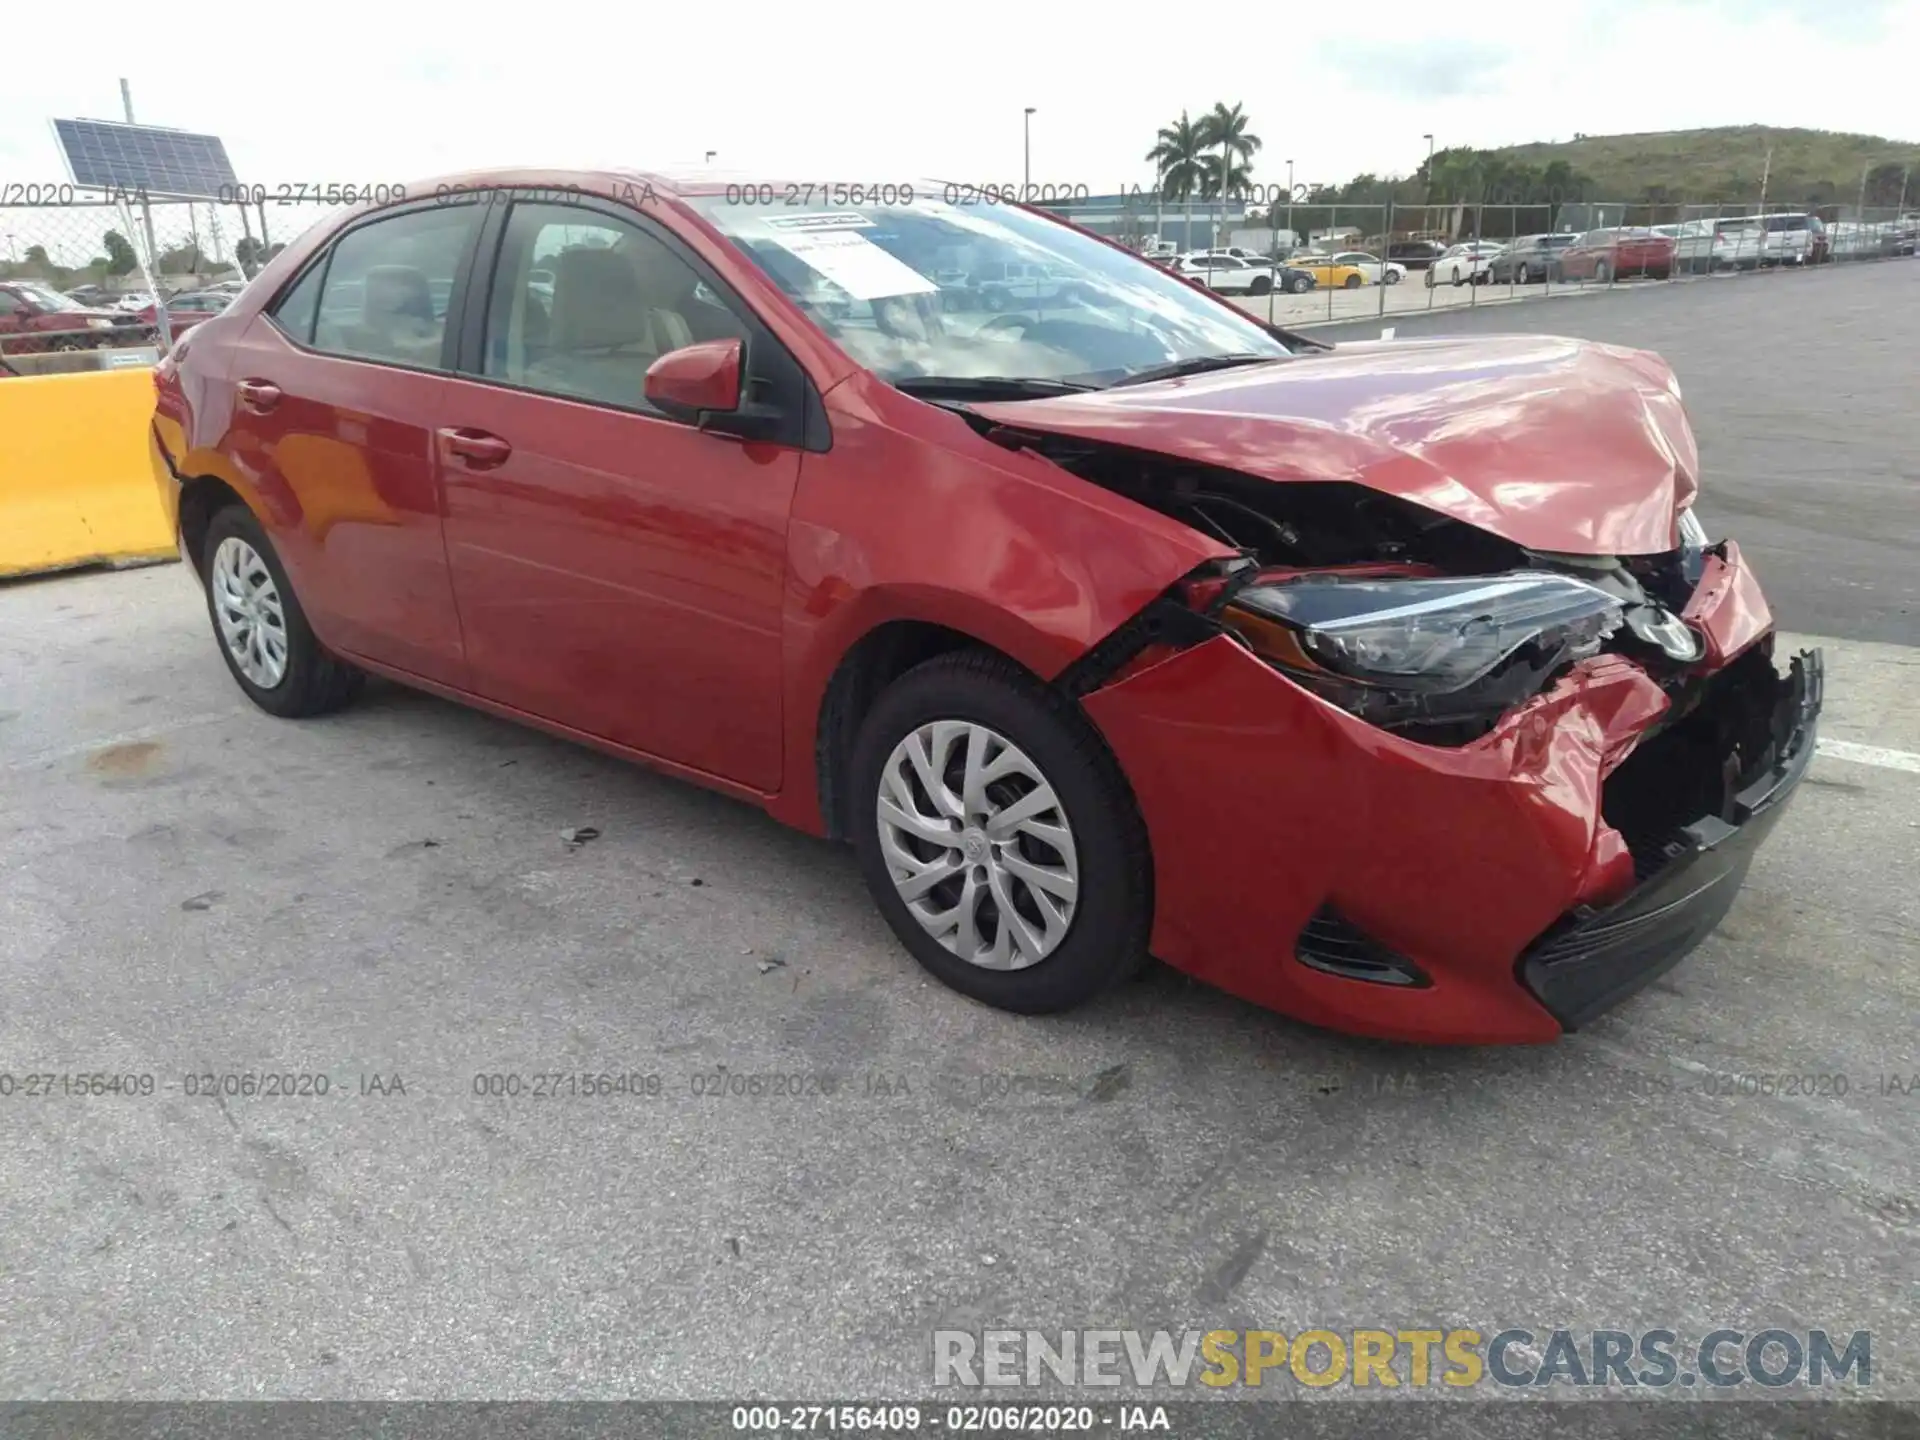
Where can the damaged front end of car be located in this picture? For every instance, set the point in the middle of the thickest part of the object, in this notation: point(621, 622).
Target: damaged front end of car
point(1405, 777)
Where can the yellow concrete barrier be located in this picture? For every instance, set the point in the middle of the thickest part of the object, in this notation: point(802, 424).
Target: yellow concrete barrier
point(76, 485)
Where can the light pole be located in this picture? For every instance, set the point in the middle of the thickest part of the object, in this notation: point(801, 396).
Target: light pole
point(1292, 239)
point(1026, 174)
point(1429, 140)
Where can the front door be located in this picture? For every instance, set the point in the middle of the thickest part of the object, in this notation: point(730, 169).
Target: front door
point(617, 572)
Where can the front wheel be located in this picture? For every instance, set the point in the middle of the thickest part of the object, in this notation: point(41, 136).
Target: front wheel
point(1299, 285)
point(263, 633)
point(1352, 282)
point(998, 836)
point(1458, 278)
point(1603, 274)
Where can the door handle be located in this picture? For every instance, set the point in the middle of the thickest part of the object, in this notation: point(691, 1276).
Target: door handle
point(476, 447)
point(259, 396)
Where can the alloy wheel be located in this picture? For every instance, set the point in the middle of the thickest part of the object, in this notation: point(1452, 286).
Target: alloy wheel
point(978, 844)
point(253, 623)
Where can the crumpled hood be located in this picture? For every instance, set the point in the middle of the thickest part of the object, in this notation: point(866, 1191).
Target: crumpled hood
point(1554, 444)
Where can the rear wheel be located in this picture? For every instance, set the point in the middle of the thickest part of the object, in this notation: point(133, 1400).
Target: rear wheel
point(998, 836)
point(1260, 286)
point(1352, 282)
point(1602, 273)
point(263, 633)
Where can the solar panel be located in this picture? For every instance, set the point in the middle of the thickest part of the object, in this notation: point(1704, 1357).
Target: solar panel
point(105, 155)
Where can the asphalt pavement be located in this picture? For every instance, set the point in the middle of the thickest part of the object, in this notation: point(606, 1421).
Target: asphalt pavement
point(384, 898)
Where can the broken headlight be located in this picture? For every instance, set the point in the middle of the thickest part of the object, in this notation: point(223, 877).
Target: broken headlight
point(1404, 648)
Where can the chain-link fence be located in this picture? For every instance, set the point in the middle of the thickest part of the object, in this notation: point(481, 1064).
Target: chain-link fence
point(1339, 261)
point(86, 280)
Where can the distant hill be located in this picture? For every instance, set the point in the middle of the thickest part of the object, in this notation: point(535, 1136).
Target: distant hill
point(1810, 167)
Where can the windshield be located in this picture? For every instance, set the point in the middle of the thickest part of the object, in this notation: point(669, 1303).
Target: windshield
point(926, 288)
point(48, 299)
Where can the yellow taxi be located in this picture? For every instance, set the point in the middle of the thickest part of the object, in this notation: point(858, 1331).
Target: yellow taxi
point(1328, 272)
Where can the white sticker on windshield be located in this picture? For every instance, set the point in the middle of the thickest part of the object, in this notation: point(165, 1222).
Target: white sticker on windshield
point(856, 264)
point(833, 220)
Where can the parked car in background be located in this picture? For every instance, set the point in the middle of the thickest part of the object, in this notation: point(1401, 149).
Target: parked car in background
point(1328, 272)
point(94, 296)
point(133, 300)
point(1793, 238)
point(1376, 270)
point(1009, 284)
point(1228, 274)
point(1528, 259)
point(36, 318)
point(1463, 264)
point(1396, 686)
point(186, 310)
point(1731, 242)
point(1415, 254)
point(1604, 256)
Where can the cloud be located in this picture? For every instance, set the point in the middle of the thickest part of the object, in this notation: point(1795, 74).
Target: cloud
point(1432, 69)
point(1848, 19)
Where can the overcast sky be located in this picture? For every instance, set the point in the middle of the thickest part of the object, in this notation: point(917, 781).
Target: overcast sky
point(861, 90)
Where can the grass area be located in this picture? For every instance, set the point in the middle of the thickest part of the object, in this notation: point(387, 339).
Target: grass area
point(1810, 167)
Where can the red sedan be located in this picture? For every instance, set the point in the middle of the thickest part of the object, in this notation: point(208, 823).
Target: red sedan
point(1392, 685)
point(1606, 255)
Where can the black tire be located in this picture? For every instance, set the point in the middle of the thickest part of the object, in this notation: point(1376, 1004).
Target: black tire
point(1602, 273)
point(1261, 285)
point(1352, 282)
point(1390, 277)
point(315, 681)
point(1106, 941)
point(1299, 285)
point(1458, 278)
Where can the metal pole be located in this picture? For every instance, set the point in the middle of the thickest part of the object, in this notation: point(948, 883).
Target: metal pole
point(1386, 244)
point(1026, 171)
point(163, 331)
point(1292, 238)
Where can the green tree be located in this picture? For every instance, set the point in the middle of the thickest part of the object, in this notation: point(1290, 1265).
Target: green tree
point(120, 257)
point(1231, 147)
point(1176, 157)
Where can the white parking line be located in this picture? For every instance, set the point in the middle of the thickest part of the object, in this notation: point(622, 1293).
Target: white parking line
point(1870, 755)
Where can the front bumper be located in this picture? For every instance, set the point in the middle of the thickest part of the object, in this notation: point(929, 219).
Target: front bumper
point(1597, 958)
point(1314, 864)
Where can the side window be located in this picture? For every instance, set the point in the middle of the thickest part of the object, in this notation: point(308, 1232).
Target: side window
point(293, 312)
point(617, 300)
point(387, 286)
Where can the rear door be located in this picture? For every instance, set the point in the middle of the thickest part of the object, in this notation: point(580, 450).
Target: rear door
point(338, 387)
point(619, 573)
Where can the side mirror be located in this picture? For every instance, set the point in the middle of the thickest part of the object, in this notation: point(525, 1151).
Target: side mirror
point(701, 385)
point(696, 381)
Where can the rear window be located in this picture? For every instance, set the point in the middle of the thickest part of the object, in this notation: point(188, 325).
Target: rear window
point(1777, 223)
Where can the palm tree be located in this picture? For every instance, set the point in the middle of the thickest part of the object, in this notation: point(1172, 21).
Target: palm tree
point(1176, 156)
point(1224, 129)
